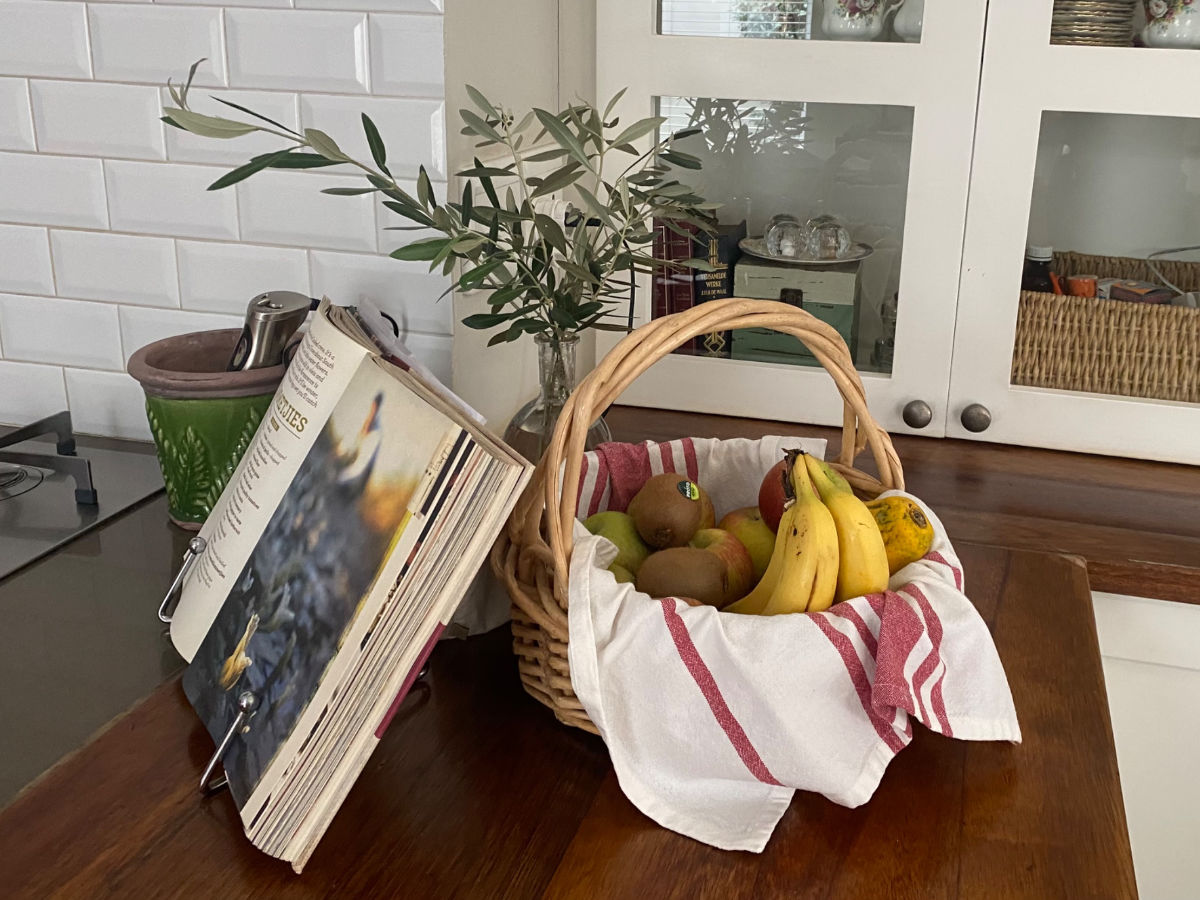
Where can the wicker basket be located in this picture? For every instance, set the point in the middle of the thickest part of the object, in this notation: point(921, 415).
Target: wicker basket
point(1109, 347)
point(532, 555)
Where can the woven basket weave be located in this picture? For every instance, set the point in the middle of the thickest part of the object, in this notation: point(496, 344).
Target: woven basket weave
point(532, 554)
point(1110, 347)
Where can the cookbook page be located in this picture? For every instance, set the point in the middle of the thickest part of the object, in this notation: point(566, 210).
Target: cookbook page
point(312, 386)
point(306, 598)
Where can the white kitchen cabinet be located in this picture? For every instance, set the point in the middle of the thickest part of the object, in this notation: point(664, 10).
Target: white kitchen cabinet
point(1124, 124)
point(947, 156)
point(878, 132)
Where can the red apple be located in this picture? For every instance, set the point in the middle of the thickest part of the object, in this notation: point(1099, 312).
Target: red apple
point(747, 526)
point(739, 567)
point(771, 496)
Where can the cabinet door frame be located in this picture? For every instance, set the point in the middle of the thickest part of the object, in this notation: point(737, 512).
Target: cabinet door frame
point(938, 78)
point(1023, 75)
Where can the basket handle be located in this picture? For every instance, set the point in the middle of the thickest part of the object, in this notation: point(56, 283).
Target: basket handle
point(639, 350)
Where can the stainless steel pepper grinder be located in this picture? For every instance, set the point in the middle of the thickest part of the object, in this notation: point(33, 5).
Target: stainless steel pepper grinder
point(271, 320)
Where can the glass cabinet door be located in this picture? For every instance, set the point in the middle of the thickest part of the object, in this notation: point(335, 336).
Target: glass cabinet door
point(1077, 325)
point(841, 111)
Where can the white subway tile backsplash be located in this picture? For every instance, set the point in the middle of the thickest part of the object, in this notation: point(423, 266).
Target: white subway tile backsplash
point(407, 56)
point(52, 190)
point(25, 260)
point(39, 38)
point(16, 123)
point(108, 403)
point(64, 332)
point(413, 131)
point(419, 6)
point(187, 147)
point(140, 327)
point(269, 3)
point(109, 238)
point(287, 207)
point(120, 268)
point(173, 199)
point(136, 42)
point(434, 351)
point(292, 50)
point(30, 392)
point(96, 119)
point(223, 277)
point(405, 290)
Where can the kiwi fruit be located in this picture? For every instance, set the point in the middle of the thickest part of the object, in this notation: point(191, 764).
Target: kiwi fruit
point(685, 572)
point(668, 510)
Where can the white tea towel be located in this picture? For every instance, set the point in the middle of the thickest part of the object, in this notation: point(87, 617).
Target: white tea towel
point(714, 719)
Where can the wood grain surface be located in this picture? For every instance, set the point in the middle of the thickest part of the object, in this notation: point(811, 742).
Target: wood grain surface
point(476, 791)
point(1136, 523)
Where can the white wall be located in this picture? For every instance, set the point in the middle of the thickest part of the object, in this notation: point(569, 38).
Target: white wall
point(1116, 185)
point(521, 54)
point(108, 239)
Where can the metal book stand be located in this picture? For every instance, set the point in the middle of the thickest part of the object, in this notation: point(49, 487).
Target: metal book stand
point(247, 702)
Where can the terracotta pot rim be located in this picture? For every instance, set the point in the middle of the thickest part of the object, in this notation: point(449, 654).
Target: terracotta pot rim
point(147, 368)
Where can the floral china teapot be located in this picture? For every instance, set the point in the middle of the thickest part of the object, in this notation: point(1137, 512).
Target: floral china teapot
point(857, 20)
point(1172, 23)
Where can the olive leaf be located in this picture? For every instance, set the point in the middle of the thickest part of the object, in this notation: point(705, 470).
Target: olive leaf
point(545, 274)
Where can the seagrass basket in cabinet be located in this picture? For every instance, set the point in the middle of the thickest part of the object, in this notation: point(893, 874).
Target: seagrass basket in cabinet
point(532, 554)
point(1108, 346)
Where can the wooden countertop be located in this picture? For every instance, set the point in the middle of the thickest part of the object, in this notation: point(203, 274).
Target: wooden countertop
point(476, 791)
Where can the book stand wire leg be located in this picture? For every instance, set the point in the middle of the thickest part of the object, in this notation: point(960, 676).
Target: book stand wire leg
point(196, 546)
point(247, 706)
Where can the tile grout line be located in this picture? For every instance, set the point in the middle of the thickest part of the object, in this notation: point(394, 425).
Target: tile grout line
point(358, 95)
point(223, 166)
point(89, 43)
point(53, 265)
point(32, 118)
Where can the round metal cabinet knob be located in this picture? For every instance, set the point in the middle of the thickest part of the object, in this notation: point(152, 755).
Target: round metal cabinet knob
point(976, 418)
point(917, 414)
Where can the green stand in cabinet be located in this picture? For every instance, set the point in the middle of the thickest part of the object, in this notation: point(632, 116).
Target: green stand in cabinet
point(829, 292)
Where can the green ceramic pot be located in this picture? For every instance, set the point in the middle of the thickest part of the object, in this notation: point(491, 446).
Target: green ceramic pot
point(202, 418)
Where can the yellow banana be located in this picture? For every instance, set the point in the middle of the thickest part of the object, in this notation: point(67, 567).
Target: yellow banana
point(863, 556)
point(753, 603)
point(808, 579)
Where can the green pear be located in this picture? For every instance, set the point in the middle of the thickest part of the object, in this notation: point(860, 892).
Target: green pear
point(619, 528)
point(622, 574)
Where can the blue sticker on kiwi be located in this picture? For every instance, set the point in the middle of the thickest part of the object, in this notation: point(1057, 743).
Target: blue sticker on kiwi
point(689, 490)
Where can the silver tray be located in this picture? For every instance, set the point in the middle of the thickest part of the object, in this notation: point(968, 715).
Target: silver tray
point(757, 246)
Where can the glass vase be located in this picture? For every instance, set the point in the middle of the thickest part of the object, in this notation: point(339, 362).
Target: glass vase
point(531, 429)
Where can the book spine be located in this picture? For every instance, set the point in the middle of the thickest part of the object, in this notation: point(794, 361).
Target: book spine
point(672, 288)
point(721, 251)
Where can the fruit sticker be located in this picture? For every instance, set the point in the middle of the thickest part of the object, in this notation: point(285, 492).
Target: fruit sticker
point(689, 490)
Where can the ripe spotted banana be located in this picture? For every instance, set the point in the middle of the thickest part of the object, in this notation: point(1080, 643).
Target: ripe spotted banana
point(864, 560)
point(754, 602)
point(808, 580)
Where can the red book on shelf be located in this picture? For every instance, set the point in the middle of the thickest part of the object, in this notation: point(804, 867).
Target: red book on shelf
point(672, 289)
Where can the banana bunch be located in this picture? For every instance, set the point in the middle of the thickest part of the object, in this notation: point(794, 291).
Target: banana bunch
point(803, 572)
point(827, 548)
point(864, 560)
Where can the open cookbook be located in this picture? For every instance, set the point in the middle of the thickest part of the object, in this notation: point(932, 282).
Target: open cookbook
point(336, 555)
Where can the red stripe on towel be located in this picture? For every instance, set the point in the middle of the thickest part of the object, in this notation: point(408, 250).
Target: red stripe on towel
point(858, 677)
point(938, 558)
point(602, 477)
point(933, 626)
point(898, 636)
point(850, 614)
point(716, 702)
point(668, 458)
point(689, 457)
